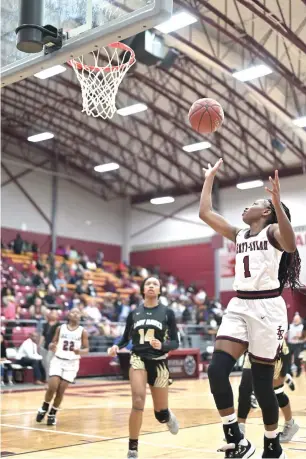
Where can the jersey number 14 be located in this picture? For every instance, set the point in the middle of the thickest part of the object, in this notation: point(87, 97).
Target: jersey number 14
point(148, 336)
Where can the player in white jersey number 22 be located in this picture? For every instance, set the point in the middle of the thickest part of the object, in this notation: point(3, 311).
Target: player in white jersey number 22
point(69, 343)
point(256, 319)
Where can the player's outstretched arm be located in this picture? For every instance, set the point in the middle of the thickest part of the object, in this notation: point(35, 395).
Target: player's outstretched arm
point(283, 231)
point(206, 213)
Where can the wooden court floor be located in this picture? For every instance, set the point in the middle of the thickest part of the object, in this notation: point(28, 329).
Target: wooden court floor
point(94, 423)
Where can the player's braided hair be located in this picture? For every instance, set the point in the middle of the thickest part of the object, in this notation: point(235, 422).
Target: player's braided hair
point(290, 264)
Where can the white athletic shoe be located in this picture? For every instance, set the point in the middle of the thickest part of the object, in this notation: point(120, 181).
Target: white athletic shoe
point(244, 449)
point(173, 424)
point(288, 432)
point(132, 454)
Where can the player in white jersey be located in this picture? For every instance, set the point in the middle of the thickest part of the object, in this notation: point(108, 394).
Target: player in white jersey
point(69, 343)
point(256, 319)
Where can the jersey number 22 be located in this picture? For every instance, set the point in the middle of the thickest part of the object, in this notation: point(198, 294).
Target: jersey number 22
point(68, 346)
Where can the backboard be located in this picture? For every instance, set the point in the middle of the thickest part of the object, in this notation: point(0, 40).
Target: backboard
point(89, 24)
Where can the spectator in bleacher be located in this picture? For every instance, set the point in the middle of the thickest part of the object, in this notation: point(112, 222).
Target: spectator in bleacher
point(100, 258)
point(200, 297)
point(178, 309)
point(38, 311)
point(50, 298)
point(60, 251)
point(27, 355)
point(125, 310)
point(108, 306)
point(81, 286)
point(18, 245)
point(84, 259)
point(34, 247)
point(117, 307)
point(91, 291)
point(202, 314)
point(46, 338)
point(73, 254)
point(60, 282)
point(7, 287)
point(6, 368)
point(38, 279)
point(93, 312)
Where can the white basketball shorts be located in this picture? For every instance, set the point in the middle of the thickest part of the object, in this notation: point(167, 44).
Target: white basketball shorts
point(259, 323)
point(65, 369)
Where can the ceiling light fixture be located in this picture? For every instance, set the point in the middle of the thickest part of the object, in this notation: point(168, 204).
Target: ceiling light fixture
point(197, 146)
point(253, 72)
point(177, 21)
point(106, 167)
point(164, 200)
point(248, 185)
point(50, 72)
point(41, 137)
point(132, 109)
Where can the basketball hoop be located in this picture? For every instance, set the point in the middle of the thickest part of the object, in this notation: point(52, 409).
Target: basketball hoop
point(100, 85)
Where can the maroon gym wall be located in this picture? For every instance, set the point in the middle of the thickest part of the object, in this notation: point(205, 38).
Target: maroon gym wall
point(111, 252)
point(190, 263)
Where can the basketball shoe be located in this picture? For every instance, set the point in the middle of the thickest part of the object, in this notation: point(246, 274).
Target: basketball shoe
point(273, 449)
point(290, 429)
point(173, 424)
point(132, 454)
point(243, 449)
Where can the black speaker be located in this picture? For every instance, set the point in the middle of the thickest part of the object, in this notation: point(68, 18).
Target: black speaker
point(148, 47)
point(169, 59)
point(278, 145)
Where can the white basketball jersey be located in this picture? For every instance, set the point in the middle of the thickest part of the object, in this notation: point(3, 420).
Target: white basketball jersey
point(69, 341)
point(257, 262)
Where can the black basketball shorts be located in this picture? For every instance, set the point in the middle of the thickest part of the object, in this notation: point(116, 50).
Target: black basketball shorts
point(157, 370)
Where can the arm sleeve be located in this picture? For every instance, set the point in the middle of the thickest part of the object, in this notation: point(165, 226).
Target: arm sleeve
point(173, 342)
point(127, 332)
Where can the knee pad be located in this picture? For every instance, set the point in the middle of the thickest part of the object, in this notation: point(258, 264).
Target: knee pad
point(263, 387)
point(162, 416)
point(219, 370)
point(282, 398)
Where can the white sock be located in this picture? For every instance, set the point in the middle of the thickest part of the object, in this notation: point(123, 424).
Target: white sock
point(290, 423)
point(271, 433)
point(230, 419)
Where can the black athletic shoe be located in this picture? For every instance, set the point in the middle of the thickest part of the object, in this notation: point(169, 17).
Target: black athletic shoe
point(51, 421)
point(243, 449)
point(273, 449)
point(40, 415)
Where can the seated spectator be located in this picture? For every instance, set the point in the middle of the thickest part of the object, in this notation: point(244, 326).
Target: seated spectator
point(27, 355)
point(60, 282)
point(38, 279)
point(74, 301)
point(73, 254)
point(81, 287)
point(6, 368)
point(93, 312)
point(49, 298)
point(91, 291)
point(202, 314)
point(37, 310)
point(18, 245)
point(34, 247)
point(84, 259)
point(48, 333)
point(117, 307)
point(125, 310)
point(60, 251)
point(100, 259)
point(200, 297)
point(91, 328)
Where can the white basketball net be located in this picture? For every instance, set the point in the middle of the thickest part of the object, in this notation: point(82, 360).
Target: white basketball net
point(100, 84)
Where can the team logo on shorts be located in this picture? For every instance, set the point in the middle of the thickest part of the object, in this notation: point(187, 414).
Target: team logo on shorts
point(190, 365)
point(280, 333)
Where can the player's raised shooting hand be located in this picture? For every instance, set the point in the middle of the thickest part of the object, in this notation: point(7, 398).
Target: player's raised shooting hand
point(212, 170)
point(156, 344)
point(275, 192)
point(112, 351)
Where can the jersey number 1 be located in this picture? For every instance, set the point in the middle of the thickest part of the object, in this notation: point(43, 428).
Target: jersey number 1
point(246, 264)
point(146, 337)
